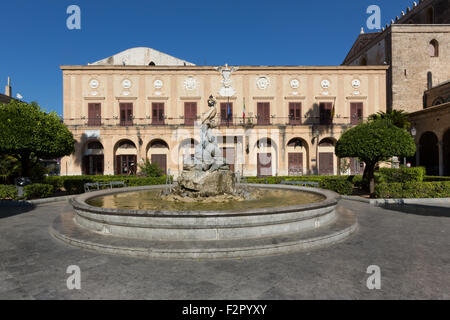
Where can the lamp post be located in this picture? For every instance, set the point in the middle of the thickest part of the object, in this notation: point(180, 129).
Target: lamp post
point(413, 134)
point(317, 135)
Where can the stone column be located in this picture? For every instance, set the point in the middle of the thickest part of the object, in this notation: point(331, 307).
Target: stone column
point(108, 156)
point(441, 158)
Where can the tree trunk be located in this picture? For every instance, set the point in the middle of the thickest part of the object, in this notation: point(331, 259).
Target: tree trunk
point(370, 177)
point(24, 162)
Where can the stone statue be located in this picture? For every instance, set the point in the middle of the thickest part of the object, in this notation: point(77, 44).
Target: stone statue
point(226, 90)
point(208, 175)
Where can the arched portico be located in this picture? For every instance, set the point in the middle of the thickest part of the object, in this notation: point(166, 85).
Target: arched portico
point(297, 150)
point(429, 152)
point(266, 157)
point(327, 160)
point(157, 152)
point(93, 158)
point(125, 157)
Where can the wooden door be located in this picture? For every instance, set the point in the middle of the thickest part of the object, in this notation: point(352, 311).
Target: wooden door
point(263, 109)
point(264, 164)
point(94, 114)
point(356, 112)
point(326, 166)
point(126, 164)
point(229, 155)
point(158, 113)
point(295, 163)
point(161, 161)
point(190, 113)
point(295, 113)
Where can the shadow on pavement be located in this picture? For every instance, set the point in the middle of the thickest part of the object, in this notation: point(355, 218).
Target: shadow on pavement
point(422, 210)
point(14, 208)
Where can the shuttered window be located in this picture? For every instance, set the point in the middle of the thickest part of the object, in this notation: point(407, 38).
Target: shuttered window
point(126, 114)
point(295, 113)
point(263, 110)
point(157, 113)
point(190, 113)
point(225, 114)
point(94, 114)
point(356, 112)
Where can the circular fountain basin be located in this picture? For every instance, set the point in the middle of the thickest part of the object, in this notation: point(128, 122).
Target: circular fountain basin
point(138, 213)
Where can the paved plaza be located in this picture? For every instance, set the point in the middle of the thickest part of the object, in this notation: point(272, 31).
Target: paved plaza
point(412, 249)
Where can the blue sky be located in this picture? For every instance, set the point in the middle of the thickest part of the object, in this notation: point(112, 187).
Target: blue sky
point(36, 41)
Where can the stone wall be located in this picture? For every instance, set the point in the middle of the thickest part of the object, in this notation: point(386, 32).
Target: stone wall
point(411, 62)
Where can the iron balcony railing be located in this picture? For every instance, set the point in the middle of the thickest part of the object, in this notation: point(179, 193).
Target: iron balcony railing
point(249, 121)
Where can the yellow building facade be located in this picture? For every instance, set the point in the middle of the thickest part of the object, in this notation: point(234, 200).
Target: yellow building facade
point(279, 120)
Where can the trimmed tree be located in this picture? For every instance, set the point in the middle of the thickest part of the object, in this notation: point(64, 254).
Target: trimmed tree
point(28, 133)
point(372, 142)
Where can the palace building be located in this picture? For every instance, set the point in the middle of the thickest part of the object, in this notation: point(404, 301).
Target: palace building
point(273, 120)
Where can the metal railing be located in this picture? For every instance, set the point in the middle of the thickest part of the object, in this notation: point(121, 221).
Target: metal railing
point(249, 121)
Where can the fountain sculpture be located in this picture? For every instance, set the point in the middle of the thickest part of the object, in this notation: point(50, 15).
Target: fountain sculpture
point(208, 174)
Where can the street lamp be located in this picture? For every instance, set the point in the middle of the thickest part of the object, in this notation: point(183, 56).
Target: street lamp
point(413, 134)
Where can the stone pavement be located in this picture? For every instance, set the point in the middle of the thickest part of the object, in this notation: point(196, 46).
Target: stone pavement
point(412, 250)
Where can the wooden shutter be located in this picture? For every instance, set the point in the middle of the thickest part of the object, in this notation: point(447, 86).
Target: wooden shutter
point(190, 113)
point(295, 113)
point(126, 114)
point(118, 165)
point(263, 110)
point(94, 114)
point(295, 163)
point(157, 113)
point(326, 166)
point(161, 161)
point(356, 112)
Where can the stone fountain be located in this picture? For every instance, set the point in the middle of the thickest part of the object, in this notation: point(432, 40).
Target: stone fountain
point(208, 174)
point(207, 214)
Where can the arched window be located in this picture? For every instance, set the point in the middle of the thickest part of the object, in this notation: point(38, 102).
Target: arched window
point(433, 48)
point(152, 63)
point(94, 145)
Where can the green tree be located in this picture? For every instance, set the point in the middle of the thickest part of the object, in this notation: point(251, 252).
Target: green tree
point(372, 142)
point(9, 169)
point(398, 118)
point(28, 133)
point(151, 169)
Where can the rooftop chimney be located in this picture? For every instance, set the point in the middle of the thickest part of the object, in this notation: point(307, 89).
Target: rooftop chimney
point(8, 90)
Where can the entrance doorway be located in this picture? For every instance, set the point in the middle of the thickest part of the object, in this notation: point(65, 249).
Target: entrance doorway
point(126, 164)
point(264, 164)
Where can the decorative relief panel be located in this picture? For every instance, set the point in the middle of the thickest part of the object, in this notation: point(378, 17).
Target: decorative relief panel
point(190, 83)
point(262, 83)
